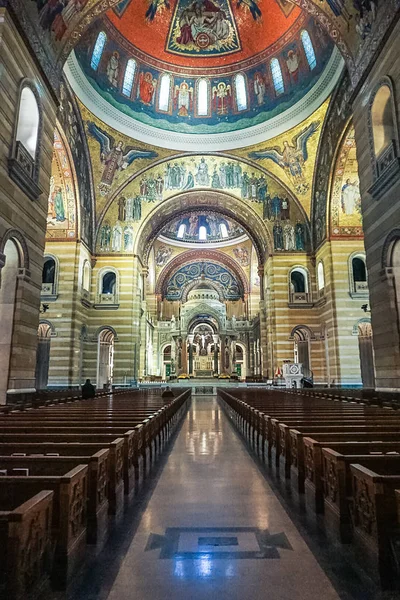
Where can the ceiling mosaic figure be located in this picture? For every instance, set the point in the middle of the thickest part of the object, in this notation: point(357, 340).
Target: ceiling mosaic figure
point(62, 216)
point(203, 28)
point(282, 214)
point(346, 219)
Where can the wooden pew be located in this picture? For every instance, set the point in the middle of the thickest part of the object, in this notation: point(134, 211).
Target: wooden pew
point(306, 457)
point(97, 489)
point(374, 519)
point(336, 478)
point(25, 544)
point(68, 516)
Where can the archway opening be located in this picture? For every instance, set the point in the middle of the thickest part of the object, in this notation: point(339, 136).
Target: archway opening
point(105, 358)
point(43, 356)
point(8, 290)
point(302, 350)
point(367, 362)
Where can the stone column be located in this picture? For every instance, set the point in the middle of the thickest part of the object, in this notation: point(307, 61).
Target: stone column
point(184, 366)
point(222, 355)
point(190, 340)
point(215, 340)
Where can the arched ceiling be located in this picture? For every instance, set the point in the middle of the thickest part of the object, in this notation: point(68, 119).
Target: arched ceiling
point(187, 270)
point(185, 202)
point(203, 69)
point(217, 230)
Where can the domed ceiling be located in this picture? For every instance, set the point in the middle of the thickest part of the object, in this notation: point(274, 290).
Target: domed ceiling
point(187, 67)
point(203, 227)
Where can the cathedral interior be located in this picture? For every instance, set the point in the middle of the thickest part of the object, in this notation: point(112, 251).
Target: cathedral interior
point(200, 193)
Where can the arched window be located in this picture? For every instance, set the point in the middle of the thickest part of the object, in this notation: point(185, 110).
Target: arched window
point(240, 92)
point(164, 94)
point(203, 100)
point(298, 286)
point(383, 125)
point(86, 276)
point(181, 230)
point(28, 121)
point(298, 282)
point(223, 230)
point(49, 276)
point(98, 50)
point(109, 282)
point(129, 77)
point(202, 233)
point(308, 49)
point(359, 271)
point(277, 77)
point(105, 357)
point(321, 276)
point(49, 271)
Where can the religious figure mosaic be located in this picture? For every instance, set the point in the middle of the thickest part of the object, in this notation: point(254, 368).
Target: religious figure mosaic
point(114, 156)
point(201, 227)
point(291, 156)
point(263, 194)
point(179, 99)
point(61, 216)
point(346, 219)
point(203, 28)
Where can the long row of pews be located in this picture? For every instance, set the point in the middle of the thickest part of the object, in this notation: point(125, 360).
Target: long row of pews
point(67, 472)
point(342, 459)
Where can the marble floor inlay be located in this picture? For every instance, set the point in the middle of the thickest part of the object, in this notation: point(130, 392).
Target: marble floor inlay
point(211, 508)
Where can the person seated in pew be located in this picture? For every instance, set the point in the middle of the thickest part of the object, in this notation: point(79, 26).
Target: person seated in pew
point(167, 393)
point(88, 390)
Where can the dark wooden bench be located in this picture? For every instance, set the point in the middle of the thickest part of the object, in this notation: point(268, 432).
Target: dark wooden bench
point(68, 517)
point(115, 461)
point(97, 489)
point(374, 519)
point(336, 478)
point(306, 457)
point(26, 549)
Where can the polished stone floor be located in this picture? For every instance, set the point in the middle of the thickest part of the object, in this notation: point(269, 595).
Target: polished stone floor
point(213, 528)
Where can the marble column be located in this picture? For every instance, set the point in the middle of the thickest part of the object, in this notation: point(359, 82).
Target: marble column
point(190, 340)
point(216, 340)
point(222, 355)
point(184, 367)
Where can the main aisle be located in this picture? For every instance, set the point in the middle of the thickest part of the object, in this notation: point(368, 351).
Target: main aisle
point(213, 528)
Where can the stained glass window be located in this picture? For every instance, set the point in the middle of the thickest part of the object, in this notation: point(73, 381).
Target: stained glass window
point(202, 233)
point(129, 77)
point(165, 89)
point(240, 90)
point(224, 231)
point(202, 98)
point(181, 230)
point(308, 49)
point(98, 50)
point(277, 78)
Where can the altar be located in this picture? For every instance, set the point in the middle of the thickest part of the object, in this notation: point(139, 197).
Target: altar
point(203, 366)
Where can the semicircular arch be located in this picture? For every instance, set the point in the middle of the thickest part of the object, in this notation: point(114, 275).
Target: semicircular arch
point(201, 256)
point(183, 203)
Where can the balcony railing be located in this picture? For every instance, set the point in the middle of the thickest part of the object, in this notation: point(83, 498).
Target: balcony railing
point(299, 298)
point(361, 287)
point(47, 289)
point(107, 298)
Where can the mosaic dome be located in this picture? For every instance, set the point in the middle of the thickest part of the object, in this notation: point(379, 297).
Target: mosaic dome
point(203, 227)
point(196, 67)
